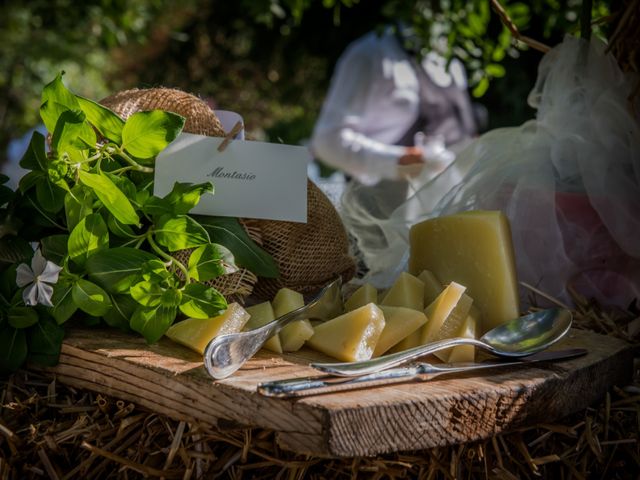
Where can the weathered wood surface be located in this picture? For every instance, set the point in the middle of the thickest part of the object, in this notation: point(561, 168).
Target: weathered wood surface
point(171, 380)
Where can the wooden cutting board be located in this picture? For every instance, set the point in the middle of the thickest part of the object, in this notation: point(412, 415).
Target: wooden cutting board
point(171, 380)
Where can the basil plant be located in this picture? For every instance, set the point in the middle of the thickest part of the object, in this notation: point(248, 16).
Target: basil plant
point(83, 238)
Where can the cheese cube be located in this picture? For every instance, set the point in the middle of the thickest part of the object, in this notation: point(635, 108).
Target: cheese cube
point(293, 336)
point(407, 291)
point(399, 322)
point(474, 249)
point(465, 353)
point(432, 286)
point(261, 314)
point(367, 293)
point(196, 333)
point(352, 336)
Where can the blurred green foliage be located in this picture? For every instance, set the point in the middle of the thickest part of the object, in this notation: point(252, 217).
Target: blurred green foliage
point(269, 60)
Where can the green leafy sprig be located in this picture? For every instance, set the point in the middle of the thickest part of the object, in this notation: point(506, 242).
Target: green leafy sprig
point(87, 201)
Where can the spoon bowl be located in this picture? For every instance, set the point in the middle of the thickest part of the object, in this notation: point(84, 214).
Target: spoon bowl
point(520, 337)
point(227, 353)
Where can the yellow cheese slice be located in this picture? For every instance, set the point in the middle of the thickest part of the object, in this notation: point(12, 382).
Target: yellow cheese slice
point(465, 353)
point(367, 293)
point(399, 322)
point(352, 336)
point(446, 313)
point(450, 307)
point(293, 336)
point(474, 249)
point(196, 333)
point(407, 291)
point(432, 286)
point(261, 314)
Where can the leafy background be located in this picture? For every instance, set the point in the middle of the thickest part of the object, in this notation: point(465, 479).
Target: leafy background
point(270, 60)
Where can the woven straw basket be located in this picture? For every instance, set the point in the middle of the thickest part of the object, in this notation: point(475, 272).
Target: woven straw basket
point(308, 255)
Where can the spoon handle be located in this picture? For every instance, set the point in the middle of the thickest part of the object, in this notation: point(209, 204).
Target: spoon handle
point(297, 387)
point(365, 367)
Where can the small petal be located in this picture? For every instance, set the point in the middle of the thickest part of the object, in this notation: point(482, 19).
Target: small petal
point(38, 263)
point(50, 273)
point(30, 295)
point(24, 275)
point(45, 292)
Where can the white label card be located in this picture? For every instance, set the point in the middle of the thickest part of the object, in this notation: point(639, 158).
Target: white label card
point(250, 179)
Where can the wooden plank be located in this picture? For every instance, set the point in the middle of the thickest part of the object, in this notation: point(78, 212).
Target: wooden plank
point(171, 380)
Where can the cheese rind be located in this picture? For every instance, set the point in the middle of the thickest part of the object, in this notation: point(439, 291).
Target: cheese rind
point(367, 293)
point(293, 336)
point(400, 322)
point(474, 249)
point(196, 333)
point(352, 336)
point(261, 314)
point(407, 291)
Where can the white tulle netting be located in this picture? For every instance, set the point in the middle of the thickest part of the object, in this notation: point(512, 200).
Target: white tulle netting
point(569, 182)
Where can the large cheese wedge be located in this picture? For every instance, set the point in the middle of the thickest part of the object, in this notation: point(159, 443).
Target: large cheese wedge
point(474, 249)
point(464, 353)
point(196, 333)
point(293, 336)
point(432, 286)
point(450, 306)
point(367, 293)
point(399, 322)
point(261, 314)
point(352, 336)
point(407, 291)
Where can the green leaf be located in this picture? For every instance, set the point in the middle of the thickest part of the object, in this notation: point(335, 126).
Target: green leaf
point(22, 317)
point(145, 134)
point(45, 342)
point(155, 271)
point(30, 180)
point(201, 301)
point(111, 196)
point(78, 205)
point(227, 231)
point(55, 248)
point(14, 250)
point(116, 269)
point(171, 297)
point(119, 229)
point(147, 293)
point(184, 196)
point(87, 237)
point(13, 348)
point(106, 122)
point(121, 313)
point(50, 196)
point(6, 194)
point(35, 158)
point(152, 323)
point(210, 261)
point(495, 70)
point(56, 98)
point(90, 298)
point(480, 89)
point(63, 303)
point(72, 132)
point(180, 232)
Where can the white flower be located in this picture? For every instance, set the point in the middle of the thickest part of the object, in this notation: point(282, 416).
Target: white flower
point(39, 279)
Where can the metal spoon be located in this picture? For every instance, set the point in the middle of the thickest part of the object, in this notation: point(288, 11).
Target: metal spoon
point(520, 337)
point(227, 353)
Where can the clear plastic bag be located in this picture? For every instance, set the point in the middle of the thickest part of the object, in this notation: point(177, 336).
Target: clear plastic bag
point(569, 181)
